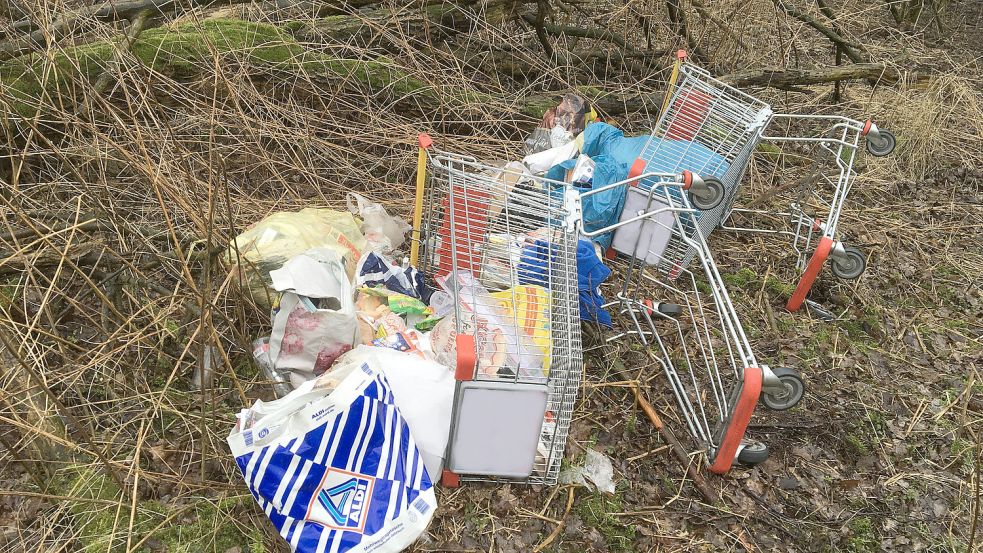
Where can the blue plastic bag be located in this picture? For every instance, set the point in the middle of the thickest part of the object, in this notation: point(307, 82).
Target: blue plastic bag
point(536, 259)
point(602, 209)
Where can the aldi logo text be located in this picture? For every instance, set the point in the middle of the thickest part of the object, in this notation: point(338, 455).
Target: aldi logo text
point(342, 500)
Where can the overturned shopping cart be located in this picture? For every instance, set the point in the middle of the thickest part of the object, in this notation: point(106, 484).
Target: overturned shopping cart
point(679, 307)
point(713, 129)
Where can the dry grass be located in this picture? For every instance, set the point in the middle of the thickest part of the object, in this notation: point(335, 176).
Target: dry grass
point(115, 203)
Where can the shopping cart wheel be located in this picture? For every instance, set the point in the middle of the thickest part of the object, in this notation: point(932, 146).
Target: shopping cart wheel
point(789, 395)
point(709, 195)
point(850, 265)
point(753, 453)
point(882, 145)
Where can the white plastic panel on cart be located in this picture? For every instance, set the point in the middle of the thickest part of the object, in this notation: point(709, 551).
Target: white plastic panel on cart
point(644, 239)
point(498, 428)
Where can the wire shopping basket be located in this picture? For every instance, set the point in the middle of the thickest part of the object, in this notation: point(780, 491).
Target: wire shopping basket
point(691, 325)
point(496, 242)
point(713, 129)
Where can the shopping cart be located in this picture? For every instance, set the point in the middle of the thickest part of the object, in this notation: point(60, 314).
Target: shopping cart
point(515, 325)
point(692, 327)
point(713, 129)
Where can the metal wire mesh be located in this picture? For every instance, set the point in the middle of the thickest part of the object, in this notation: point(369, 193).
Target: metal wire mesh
point(711, 129)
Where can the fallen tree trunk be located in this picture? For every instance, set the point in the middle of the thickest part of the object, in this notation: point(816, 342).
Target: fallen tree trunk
point(68, 24)
point(796, 78)
point(183, 52)
point(427, 24)
point(116, 10)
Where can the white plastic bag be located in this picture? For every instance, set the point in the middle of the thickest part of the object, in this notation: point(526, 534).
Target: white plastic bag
point(423, 391)
point(383, 232)
point(542, 161)
point(337, 471)
point(307, 343)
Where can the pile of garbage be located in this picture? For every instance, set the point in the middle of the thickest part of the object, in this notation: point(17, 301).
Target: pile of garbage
point(362, 348)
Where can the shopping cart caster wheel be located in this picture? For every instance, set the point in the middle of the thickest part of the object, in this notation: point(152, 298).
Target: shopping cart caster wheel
point(753, 453)
point(882, 145)
point(790, 393)
point(849, 266)
point(709, 196)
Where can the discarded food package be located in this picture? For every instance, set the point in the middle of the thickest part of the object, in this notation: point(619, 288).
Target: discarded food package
point(560, 124)
point(508, 350)
point(337, 471)
point(528, 306)
point(276, 239)
point(571, 114)
point(405, 342)
point(383, 232)
point(383, 313)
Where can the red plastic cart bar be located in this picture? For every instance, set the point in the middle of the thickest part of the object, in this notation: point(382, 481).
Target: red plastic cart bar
point(739, 420)
point(466, 359)
point(809, 276)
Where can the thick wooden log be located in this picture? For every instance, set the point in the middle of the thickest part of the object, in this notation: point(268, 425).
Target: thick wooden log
point(796, 78)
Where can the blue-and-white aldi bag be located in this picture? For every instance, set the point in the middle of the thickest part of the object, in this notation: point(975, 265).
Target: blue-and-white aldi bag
point(338, 471)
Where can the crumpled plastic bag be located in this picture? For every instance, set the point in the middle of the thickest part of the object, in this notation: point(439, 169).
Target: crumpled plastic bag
point(539, 257)
point(307, 343)
point(597, 472)
point(541, 162)
point(539, 140)
point(383, 232)
point(603, 209)
point(375, 270)
point(604, 139)
point(270, 243)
